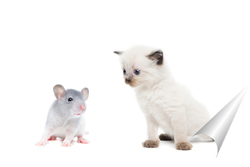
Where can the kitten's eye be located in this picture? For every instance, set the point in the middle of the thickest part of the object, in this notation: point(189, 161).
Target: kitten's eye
point(70, 99)
point(124, 71)
point(137, 72)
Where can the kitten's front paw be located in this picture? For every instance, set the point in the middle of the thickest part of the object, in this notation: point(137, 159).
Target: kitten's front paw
point(183, 146)
point(150, 143)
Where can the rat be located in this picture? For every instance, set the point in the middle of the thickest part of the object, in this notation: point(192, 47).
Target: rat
point(66, 117)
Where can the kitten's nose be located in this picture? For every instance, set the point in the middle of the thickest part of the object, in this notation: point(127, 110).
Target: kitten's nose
point(127, 80)
point(82, 107)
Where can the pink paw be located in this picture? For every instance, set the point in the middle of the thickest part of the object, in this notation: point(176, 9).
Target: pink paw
point(52, 138)
point(41, 143)
point(66, 144)
point(83, 141)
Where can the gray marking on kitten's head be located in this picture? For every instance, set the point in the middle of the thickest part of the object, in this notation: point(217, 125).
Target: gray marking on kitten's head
point(158, 56)
point(118, 52)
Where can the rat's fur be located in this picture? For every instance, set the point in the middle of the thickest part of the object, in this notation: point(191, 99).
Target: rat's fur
point(165, 103)
point(65, 118)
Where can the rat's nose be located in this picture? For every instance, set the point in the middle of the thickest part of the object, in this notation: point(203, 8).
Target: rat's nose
point(82, 107)
point(127, 80)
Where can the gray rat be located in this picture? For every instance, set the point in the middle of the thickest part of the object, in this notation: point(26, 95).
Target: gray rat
point(65, 118)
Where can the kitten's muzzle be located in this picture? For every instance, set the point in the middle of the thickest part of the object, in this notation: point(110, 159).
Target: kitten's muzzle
point(128, 81)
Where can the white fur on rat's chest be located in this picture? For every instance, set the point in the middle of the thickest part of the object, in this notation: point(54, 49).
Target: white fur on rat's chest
point(60, 131)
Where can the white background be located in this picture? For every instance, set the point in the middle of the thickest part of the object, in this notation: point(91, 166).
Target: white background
point(43, 43)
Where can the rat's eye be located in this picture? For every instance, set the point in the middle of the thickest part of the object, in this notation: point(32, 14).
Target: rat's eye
point(124, 71)
point(70, 99)
point(137, 72)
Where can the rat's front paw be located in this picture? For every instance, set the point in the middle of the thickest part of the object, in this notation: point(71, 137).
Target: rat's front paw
point(83, 141)
point(183, 146)
point(151, 143)
point(41, 143)
point(66, 144)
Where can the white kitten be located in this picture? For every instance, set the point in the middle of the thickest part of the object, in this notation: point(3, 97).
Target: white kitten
point(165, 103)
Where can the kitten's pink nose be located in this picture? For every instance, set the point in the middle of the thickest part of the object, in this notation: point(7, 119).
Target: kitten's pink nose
point(82, 107)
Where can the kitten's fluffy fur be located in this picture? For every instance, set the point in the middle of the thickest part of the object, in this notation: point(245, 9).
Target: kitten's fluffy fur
point(165, 103)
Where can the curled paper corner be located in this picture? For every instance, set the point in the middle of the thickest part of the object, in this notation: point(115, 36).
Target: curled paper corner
point(219, 125)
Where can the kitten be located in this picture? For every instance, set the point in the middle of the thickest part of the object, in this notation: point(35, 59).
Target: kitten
point(165, 103)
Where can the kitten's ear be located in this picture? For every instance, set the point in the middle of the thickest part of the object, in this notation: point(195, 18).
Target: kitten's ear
point(158, 56)
point(118, 52)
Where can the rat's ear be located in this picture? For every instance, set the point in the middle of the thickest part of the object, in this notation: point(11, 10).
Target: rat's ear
point(85, 92)
point(158, 56)
point(118, 52)
point(59, 91)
